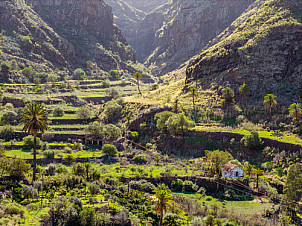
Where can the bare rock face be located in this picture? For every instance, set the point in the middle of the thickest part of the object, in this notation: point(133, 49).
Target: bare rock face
point(187, 28)
point(87, 25)
point(264, 51)
point(146, 5)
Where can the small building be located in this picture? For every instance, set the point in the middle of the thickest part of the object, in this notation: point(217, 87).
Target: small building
point(232, 171)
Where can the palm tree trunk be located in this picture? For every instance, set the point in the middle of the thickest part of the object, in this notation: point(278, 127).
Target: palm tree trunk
point(139, 91)
point(35, 157)
point(161, 218)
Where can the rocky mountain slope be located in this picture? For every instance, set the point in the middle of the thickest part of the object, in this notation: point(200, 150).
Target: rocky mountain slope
point(262, 49)
point(188, 26)
point(57, 34)
point(146, 5)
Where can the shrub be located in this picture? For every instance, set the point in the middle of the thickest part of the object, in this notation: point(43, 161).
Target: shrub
point(29, 192)
point(58, 112)
point(104, 219)
point(252, 141)
point(7, 132)
point(172, 219)
point(84, 113)
point(94, 189)
point(49, 154)
point(88, 217)
point(142, 185)
point(106, 83)
point(79, 169)
point(140, 159)
point(111, 130)
point(176, 185)
point(109, 149)
point(115, 74)
point(113, 93)
point(113, 111)
point(29, 141)
point(50, 169)
point(9, 117)
point(79, 74)
point(13, 209)
point(189, 186)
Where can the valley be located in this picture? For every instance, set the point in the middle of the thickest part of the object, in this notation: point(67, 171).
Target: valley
point(162, 112)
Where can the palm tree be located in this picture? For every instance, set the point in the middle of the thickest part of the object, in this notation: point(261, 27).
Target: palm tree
point(228, 95)
point(258, 172)
point(244, 91)
point(129, 118)
point(87, 168)
point(249, 169)
point(163, 200)
point(175, 106)
point(295, 111)
point(138, 76)
point(34, 117)
point(270, 102)
point(193, 92)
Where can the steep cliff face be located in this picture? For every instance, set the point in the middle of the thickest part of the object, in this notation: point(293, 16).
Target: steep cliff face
point(87, 25)
point(146, 5)
point(62, 34)
point(188, 26)
point(127, 18)
point(27, 39)
point(264, 51)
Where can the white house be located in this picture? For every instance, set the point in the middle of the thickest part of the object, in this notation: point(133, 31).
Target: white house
point(232, 171)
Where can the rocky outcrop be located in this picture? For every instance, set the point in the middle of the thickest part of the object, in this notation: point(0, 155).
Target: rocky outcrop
point(264, 51)
point(188, 26)
point(89, 26)
point(62, 34)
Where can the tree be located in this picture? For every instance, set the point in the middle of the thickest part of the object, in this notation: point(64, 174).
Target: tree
point(258, 172)
point(109, 149)
point(252, 141)
point(293, 188)
point(129, 118)
point(95, 130)
point(179, 124)
point(115, 74)
point(84, 113)
point(87, 168)
point(34, 117)
point(138, 76)
point(248, 168)
point(113, 111)
point(9, 117)
point(194, 94)
point(161, 119)
point(79, 74)
point(163, 200)
point(270, 101)
point(176, 105)
point(217, 159)
point(58, 112)
point(295, 111)
point(228, 96)
point(244, 91)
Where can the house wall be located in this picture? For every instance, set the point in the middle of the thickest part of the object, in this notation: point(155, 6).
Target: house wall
point(232, 173)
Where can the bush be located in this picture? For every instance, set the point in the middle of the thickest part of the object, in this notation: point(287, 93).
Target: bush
point(7, 132)
point(142, 185)
point(113, 93)
point(112, 131)
point(252, 141)
point(172, 219)
point(88, 217)
point(51, 169)
point(113, 111)
point(58, 112)
point(29, 192)
point(49, 154)
point(9, 117)
point(104, 219)
point(13, 209)
point(94, 189)
point(109, 149)
point(189, 186)
point(29, 141)
point(140, 159)
point(115, 74)
point(84, 113)
point(176, 185)
point(106, 83)
point(79, 74)
point(79, 169)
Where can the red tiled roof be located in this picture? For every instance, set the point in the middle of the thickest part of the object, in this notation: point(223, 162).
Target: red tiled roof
point(229, 166)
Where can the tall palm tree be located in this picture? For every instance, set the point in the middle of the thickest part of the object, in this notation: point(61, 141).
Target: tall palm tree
point(176, 105)
point(163, 200)
point(193, 92)
point(258, 172)
point(34, 117)
point(270, 101)
point(138, 76)
point(295, 111)
point(248, 169)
